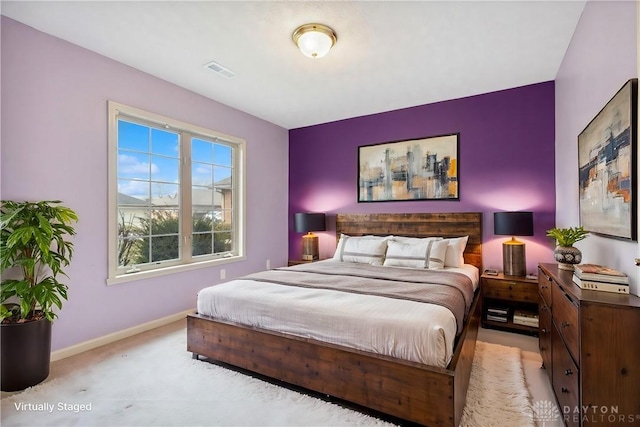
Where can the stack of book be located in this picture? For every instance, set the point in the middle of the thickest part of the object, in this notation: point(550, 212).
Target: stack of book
point(599, 278)
point(526, 318)
point(498, 314)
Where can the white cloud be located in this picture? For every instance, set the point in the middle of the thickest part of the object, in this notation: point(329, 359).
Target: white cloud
point(202, 176)
point(128, 165)
point(137, 189)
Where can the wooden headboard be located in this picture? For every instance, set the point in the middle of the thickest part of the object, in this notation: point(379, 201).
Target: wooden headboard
point(454, 224)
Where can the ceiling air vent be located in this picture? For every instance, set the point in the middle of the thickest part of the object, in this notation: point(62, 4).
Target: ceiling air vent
point(220, 69)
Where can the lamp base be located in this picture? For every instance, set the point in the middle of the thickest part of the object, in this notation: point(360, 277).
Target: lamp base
point(513, 258)
point(310, 250)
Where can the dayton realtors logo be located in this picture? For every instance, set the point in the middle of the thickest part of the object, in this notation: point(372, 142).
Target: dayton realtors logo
point(606, 415)
point(545, 411)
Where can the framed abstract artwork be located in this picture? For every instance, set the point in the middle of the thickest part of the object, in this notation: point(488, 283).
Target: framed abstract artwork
point(414, 169)
point(607, 157)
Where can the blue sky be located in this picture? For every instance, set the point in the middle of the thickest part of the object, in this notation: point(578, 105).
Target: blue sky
point(148, 161)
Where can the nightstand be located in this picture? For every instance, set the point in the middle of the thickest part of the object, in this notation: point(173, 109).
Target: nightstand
point(510, 303)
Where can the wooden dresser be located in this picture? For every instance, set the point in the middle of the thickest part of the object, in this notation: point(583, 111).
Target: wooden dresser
point(590, 347)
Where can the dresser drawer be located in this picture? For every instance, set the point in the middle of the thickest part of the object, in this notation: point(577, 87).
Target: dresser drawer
point(565, 317)
point(566, 380)
point(510, 290)
point(544, 286)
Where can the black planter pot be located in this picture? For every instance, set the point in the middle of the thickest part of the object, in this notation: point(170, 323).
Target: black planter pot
point(26, 352)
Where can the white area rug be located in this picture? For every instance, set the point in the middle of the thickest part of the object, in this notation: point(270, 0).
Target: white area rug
point(158, 384)
point(497, 394)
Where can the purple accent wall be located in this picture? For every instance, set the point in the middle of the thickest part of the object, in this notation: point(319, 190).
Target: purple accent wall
point(54, 146)
point(506, 163)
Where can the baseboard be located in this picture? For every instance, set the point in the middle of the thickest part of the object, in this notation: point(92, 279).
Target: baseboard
point(116, 336)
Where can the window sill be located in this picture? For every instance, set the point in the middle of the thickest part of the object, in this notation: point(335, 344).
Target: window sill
point(131, 277)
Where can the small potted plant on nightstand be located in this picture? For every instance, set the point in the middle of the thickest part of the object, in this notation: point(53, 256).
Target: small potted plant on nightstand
point(565, 253)
point(33, 252)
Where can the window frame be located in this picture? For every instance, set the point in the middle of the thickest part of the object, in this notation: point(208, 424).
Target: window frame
point(186, 262)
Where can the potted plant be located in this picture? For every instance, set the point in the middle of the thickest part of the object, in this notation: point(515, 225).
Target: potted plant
point(33, 252)
point(565, 253)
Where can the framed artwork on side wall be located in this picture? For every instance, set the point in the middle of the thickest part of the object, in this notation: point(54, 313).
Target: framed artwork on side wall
point(607, 157)
point(414, 169)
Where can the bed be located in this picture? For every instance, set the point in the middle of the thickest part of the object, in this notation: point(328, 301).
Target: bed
point(414, 390)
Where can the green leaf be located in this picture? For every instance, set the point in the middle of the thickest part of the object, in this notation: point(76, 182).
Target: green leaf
point(19, 236)
point(8, 289)
point(5, 312)
point(25, 308)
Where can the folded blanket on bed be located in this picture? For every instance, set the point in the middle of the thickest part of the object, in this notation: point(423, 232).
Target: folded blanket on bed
point(445, 288)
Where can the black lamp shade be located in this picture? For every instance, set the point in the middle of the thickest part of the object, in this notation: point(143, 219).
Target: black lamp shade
point(513, 223)
point(305, 222)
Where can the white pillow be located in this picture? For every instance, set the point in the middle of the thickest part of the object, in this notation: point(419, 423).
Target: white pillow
point(404, 239)
point(455, 250)
point(344, 237)
point(363, 250)
point(428, 253)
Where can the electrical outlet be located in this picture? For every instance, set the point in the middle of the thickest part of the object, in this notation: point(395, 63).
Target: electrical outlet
point(223, 274)
point(268, 264)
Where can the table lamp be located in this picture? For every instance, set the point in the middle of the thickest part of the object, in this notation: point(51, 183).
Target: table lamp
point(513, 224)
point(307, 223)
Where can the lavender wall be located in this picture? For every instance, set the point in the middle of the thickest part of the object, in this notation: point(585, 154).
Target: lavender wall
point(54, 146)
point(597, 63)
point(506, 163)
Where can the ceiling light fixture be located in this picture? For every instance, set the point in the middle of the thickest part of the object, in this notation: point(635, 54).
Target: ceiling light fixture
point(314, 40)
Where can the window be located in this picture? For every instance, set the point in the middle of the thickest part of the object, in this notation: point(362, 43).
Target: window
point(175, 195)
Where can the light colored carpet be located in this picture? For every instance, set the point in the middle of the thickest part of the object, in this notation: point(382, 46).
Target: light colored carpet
point(497, 394)
point(158, 384)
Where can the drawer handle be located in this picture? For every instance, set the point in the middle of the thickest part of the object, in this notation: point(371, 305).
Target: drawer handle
point(510, 288)
point(565, 390)
point(568, 372)
point(564, 324)
point(569, 298)
point(544, 331)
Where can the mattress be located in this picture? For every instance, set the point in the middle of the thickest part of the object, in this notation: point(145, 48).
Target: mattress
point(404, 329)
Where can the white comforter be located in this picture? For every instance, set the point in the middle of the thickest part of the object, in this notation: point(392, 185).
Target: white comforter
point(409, 330)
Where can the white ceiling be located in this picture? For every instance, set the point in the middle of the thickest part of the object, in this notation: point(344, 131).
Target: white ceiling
point(389, 55)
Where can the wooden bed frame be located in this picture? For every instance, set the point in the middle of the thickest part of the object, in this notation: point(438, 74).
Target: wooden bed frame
point(411, 391)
